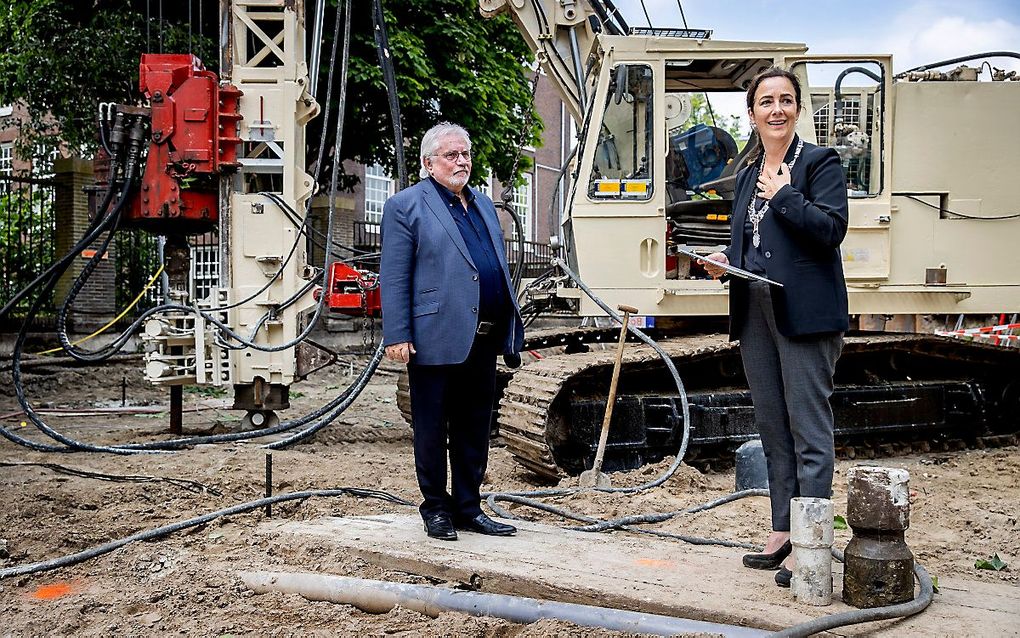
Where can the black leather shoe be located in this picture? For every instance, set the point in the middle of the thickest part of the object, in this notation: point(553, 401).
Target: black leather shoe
point(768, 561)
point(482, 524)
point(440, 526)
point(783, 577)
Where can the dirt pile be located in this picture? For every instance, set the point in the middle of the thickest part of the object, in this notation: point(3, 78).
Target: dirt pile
point(964, 509)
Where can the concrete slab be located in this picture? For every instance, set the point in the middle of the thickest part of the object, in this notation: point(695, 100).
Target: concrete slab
point(641, 574)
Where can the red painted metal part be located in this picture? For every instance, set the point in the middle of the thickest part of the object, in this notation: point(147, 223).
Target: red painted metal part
point(193, 140)
point(352, 291)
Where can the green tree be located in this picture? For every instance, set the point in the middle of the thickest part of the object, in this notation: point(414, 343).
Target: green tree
point(63, 57)
point(451, 64)
point(702, 113)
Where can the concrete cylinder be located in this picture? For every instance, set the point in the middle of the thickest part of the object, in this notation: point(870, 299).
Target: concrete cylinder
point(811, 537)
point(878, 498)
point(878, 565)
point(751, 471)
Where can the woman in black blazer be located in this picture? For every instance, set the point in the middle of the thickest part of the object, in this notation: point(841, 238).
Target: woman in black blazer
point(789, 217)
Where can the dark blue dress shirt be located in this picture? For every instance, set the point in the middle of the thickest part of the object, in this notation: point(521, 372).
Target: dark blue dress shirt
point(493, 299)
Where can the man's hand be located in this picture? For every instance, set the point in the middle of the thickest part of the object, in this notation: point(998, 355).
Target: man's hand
point(769, 183)
point(712, 269)
point(400, 352)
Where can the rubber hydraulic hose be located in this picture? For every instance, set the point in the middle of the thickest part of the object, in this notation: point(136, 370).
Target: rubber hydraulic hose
point(965, 58)
point(658, 518)
point(355, 391)
point(73, 559)
point(594, 523)
point(95, 229)
point(684, 403)
point(329, 96)
point(382, 47)
point(86, 272)
point(902, 610)
point(518, 273)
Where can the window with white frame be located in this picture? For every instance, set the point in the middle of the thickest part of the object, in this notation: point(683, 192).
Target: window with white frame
point(7, 158)
point(522, 204)
point(205, 270)
point(378, 188)
point(42, 161)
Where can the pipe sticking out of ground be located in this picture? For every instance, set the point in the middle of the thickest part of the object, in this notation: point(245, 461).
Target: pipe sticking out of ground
point(375, 596)
point(811, 535)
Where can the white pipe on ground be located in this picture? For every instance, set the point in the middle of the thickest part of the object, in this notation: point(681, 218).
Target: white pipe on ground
point(376, 596)
point(811, 537)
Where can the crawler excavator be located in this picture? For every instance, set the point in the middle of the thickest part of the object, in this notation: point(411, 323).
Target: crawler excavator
point(930, 159)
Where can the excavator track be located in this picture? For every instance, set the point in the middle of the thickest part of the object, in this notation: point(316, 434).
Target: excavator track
point(528, 400)
point(896, 393)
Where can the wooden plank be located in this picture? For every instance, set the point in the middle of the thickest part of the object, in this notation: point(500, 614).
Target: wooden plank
point(642, 574)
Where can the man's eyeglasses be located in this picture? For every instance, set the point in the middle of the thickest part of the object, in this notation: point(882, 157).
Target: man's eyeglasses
point(451, 156)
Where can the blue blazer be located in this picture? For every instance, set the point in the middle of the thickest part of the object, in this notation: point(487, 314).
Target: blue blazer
point(800, 238)
point(429, 283)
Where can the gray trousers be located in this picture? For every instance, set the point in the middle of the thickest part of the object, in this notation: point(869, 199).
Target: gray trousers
point(791, 382)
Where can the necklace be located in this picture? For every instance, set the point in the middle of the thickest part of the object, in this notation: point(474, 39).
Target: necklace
point(755, 215)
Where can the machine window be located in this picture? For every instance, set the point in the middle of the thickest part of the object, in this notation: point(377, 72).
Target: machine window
point(846, 105)
point(622, 169)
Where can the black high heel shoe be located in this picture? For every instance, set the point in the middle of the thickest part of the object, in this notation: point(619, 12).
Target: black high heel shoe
point(768, 561)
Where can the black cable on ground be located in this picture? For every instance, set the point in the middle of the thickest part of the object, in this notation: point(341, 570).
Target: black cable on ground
point(343, 399)
point(74, 559)
point(187, 484)
point(104, 222)
point(658, 518)
point(902, 610)
point(598, 525)
point(19, 390)
point(355, 391)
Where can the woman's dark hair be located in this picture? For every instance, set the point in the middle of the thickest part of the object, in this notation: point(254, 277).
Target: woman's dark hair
point(771, 72)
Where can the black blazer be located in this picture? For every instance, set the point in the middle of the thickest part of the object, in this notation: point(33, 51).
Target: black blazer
point(800, 237)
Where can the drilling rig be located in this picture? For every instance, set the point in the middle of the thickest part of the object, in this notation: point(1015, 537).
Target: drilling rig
point(226, 154)
point(928, 156)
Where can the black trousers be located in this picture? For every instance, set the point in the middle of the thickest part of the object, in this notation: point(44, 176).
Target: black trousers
point(451, 407)
point(791, 382)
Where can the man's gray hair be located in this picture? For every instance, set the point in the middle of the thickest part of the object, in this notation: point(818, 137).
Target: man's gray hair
point(430, 141)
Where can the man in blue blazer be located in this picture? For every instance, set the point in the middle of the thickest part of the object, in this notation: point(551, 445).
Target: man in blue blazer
point(448, 310)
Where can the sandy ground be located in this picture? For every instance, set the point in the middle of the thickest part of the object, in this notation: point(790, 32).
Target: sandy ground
point(964, 509)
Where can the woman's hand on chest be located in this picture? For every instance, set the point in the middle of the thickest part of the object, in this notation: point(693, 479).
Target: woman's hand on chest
point(769, 181)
